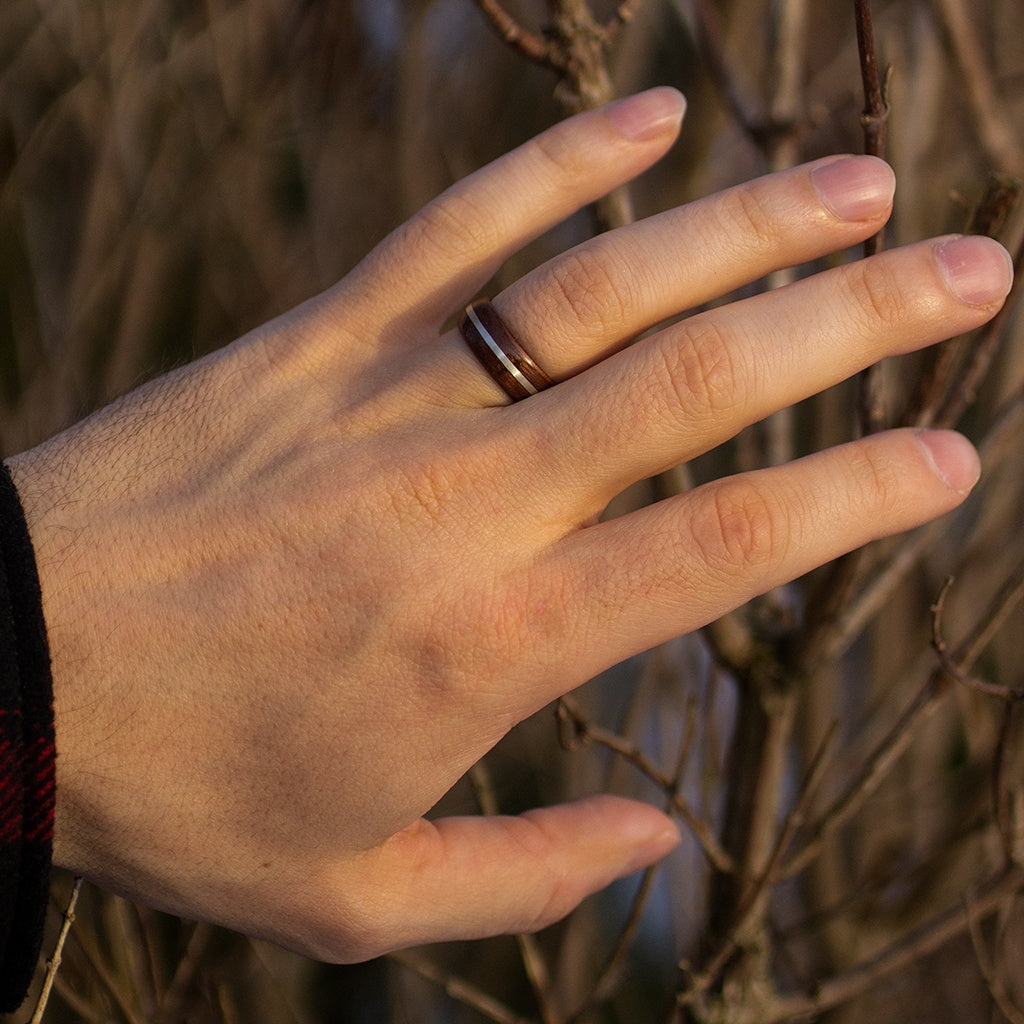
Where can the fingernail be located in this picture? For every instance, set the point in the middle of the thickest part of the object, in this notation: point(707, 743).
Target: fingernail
point(855, 187)
point(977, 270)
point(647, 114)
point(953, 458)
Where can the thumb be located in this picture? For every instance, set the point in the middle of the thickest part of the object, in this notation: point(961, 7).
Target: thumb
point(470, 877)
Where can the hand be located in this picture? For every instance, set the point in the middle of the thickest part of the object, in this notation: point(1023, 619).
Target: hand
point(296, 589)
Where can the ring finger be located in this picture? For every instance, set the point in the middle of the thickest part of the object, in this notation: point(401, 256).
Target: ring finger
point(587, 302)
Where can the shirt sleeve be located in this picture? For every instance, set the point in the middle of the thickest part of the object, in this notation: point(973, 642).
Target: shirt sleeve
point(27, 754)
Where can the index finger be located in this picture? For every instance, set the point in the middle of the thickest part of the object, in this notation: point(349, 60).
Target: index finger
point(443, 255)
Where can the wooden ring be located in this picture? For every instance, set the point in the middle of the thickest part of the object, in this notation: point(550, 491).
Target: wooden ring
point(500, 354)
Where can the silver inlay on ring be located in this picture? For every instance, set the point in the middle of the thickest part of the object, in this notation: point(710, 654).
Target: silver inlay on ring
point(497, 350)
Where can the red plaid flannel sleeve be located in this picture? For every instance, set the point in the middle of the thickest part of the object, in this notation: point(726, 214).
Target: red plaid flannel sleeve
point(27, 754)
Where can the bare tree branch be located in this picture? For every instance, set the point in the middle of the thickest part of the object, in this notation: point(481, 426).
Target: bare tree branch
point(870, 400)
point(611, 972)
point(944, 388)
point(885, 574)
point(872, 772)
point(909, 949)
point(460, 990)
point(573, 720)
point(995, 985)
point(749, 908)
point(54, 962)
point(574, 45)
point(101, 968)
point(1006, 818)
point(958, 664)
point(876, 111)
point(533, 47)
point(990, 117)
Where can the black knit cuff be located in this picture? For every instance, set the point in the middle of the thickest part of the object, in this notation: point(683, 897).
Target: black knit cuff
point(27, 754)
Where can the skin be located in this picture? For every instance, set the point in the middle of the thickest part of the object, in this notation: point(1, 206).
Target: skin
point(296, 589)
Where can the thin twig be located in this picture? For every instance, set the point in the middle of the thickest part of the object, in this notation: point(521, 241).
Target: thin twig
point(574, 45)
point(826, 609)
point(767, 877)
point(945, 389)
point(896, 741)
point(1005, 818)
point(998, 444)
point(870, 400)
point(53, 964)
point(533, 47)
point(98, 964)
point(989, 113)
point(928, 937)
point(611, 971)
point(958, 664)
point(871, 597)
point(795, 818)
point(996, 989)
point(460, 990)
point(873, 771)
point(875, 117)
point(573, 721)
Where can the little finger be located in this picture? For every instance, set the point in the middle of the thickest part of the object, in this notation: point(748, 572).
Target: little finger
point(673, 567)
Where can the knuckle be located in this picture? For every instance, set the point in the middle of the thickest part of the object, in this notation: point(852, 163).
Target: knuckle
point(744, 217)
point(701, 370)
point(561, 898)
point(876, 294)
point(590, 291)
point(527, 613)
point(471, 644)
point(874, 482)
point(738, 528)
point(439, 231)
point(556, 159)
point(559, 887)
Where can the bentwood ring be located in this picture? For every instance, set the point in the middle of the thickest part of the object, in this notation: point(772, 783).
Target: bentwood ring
point(500, 353)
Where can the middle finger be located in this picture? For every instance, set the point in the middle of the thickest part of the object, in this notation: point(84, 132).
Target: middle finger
point(696, 384)
point(582, 305)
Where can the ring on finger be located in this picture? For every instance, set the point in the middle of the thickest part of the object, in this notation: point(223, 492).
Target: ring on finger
point(500, 353)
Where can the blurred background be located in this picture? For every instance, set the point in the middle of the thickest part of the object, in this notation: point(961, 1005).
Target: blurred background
point(844, 754)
